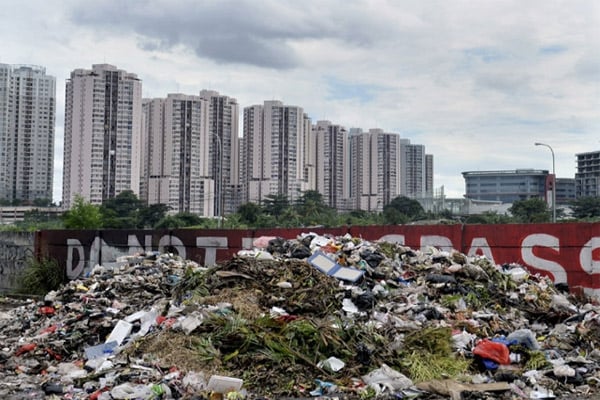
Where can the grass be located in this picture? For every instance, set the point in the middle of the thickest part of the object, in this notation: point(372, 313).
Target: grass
point(42, 276)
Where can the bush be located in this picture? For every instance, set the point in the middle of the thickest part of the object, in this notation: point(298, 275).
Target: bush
point(42, 276)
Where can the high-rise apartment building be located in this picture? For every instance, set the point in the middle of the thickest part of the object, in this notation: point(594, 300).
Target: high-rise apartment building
point(414, 169)
point(331, 158)
point(27, 116)
point(587, 177)
point(428, 175)
point(177, 167)
point(103, 120)
point(273, 152)
point(224, 154)
point(375, 168)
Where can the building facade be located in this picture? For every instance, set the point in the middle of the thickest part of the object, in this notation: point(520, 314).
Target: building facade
point(507, 186)
point(177, 169)
point(565, 190)
point(273, 152)
point(103, 125)
point(416, 174)
point(587, 177)
point(224, 151)
point(27, 119)
point(375, 169)
point(331, 161)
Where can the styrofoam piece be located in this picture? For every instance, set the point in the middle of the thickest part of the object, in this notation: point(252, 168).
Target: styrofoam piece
point(348, 274)
point(101, 350)
point(323, 263)
point(224, 384)
point(190, 323)
point(332, 364)
point(326, 265)
point(120, 332)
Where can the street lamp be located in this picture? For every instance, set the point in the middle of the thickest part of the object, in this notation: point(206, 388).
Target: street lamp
point(553, 181)
point(220, 197)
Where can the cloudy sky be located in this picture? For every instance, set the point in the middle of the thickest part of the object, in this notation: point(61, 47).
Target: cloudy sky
point(476, 82)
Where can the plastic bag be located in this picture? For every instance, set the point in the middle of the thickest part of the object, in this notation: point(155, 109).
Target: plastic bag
point(495, 351)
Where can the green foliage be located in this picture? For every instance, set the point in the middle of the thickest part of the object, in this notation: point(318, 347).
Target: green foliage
point(403, 209)
point(275, 204)
point(428, 355)
point(42, 276)
point(530, 211)
point(121, 211)
point(151, 215)
point(249, 213)
point(82, 215)
point(586, 207)
point(185, 220)
point(488, 217)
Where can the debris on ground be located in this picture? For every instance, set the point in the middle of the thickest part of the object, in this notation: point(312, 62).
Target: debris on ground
point(315, 317)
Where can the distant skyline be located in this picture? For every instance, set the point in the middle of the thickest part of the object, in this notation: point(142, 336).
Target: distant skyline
point(477, 83)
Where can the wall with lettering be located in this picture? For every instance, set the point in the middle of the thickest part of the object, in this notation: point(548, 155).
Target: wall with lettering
point(568, 253)
point(16, 249)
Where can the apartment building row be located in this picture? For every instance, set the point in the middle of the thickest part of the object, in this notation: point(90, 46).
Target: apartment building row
point(185, 150)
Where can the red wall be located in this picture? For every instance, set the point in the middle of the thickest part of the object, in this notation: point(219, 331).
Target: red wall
point(565, 252)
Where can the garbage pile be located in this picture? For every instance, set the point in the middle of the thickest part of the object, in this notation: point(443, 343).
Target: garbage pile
point(314, 317)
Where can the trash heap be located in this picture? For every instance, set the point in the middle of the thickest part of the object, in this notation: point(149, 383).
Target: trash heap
point(314, 317)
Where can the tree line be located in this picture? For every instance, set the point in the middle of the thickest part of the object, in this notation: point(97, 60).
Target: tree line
point(127, 211)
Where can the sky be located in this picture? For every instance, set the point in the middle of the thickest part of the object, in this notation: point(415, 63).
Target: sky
point(476, 82)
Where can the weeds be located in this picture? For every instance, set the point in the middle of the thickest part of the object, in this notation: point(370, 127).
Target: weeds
point(42, 276)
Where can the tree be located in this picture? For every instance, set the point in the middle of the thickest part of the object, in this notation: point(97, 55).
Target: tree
point(180, 220)
point(275, 204)
point(310, 207)
point(150, 216)
point(121, 211)
point(189, 219)
point(82, 215)
point(42, 202)
point(249, 213)
point(488, 217)
point(403, 209)
point(586, 207)
point(530, 210)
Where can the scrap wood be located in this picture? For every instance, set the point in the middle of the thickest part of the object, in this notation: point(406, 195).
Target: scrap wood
point(448, 387)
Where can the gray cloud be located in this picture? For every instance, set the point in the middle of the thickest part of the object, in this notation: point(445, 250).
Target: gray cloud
point(240, 32)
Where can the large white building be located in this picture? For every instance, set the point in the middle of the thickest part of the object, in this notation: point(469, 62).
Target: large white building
point(224, 154)
point(417, 170)
point(332, 175)
point(103, 120)
point(273, 152)
point(27, 115)
point(191, 149)
point(375, 169)
point(176, 167)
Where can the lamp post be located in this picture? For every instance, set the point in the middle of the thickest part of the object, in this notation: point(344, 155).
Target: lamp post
point(553, 181)
point(220, 198)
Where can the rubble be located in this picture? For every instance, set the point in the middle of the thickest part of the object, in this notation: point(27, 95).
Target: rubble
point(317, 316)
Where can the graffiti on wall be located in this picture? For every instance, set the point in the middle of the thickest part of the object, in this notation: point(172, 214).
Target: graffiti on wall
point(567, 253)
point(16, 250)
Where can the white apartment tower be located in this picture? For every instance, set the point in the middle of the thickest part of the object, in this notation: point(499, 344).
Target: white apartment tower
point(224, 152)
point(331, 159)
point(273, 152)
point(103, 121)
point(177, 168)
point(27, 115)
point(375, 168)
point(416, 168)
